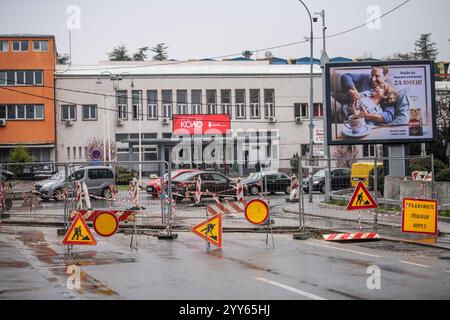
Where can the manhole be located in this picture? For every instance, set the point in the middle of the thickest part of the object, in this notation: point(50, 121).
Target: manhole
point(69, 259)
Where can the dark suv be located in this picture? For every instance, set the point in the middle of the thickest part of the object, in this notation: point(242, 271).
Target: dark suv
point(340, 179)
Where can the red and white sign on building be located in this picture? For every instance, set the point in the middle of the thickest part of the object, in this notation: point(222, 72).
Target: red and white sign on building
point(201, 123)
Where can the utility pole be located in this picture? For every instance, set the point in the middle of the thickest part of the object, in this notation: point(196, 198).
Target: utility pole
point(326, 148)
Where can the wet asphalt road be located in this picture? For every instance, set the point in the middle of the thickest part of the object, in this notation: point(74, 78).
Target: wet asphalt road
point(33, 266)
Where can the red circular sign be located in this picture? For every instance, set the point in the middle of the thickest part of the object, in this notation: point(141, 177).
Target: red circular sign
point(106, 224)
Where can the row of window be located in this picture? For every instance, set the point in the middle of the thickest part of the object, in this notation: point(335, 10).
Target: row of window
point(196, 104)
point(21, 77)
point(24, 45)
point(22, 111)
point(89, 112)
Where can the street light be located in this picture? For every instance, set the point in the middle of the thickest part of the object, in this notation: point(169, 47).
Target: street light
point(311, 107)
point(105, 119)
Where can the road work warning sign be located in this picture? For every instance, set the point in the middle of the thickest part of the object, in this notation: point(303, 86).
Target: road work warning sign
point(211, 230)
point(419, 216)
point(361, 199)
point(79, 233)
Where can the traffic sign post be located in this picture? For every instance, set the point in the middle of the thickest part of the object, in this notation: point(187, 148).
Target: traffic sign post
point(257, 212)
point(361, 199)
point(106, 224)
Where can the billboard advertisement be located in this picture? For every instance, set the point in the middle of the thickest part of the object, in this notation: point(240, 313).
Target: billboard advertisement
point(389, 102)
point(201, 124)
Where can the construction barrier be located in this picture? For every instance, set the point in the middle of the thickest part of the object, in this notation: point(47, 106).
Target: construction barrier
point(351, 236)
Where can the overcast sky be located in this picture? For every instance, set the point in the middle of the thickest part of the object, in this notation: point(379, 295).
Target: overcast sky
point(195, 29)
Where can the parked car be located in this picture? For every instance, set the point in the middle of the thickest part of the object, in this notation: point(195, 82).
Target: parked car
point(154, 186)
point(214, 182)
point(339, 177)
point(6, 175)
point(98, 179)
point(274, 181)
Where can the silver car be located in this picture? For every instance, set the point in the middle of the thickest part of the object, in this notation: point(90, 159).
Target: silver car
point(98, 179)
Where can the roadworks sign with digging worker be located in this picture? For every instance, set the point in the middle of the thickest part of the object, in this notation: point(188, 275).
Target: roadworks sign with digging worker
point(210, 230)
point(361, 199)
point(79, 233)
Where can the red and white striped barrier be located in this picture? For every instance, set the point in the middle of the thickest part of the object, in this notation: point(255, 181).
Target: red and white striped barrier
point(79, 201)
point(351, 236)
point(133, 192)
point(239, 191)
point(90, 215)
point(2, 196)
point(198, 188)
point(294, 188)
point(225, 208)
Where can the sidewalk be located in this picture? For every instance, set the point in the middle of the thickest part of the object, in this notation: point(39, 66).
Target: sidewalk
point(337, 218)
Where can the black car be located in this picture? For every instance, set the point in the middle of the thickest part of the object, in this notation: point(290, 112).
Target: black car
point(273, 181)
point(340, 179)
point(214, 182)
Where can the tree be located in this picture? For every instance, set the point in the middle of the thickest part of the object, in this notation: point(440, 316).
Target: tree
point(161, 53)
point(119, 53)
point(345, 155)
point(140, 55)
point(62, 58)
point(439, 148)
point(294, 163)
point(19, 155)
point(425, 49)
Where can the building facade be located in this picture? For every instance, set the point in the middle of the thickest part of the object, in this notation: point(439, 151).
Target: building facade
point(27, 113)
point(267, 105)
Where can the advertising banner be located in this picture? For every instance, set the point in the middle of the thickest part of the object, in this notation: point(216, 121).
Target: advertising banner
point(380, 102)
point(201, 124)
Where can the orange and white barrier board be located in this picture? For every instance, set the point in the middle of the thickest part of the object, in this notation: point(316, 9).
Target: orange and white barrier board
point(351, 236)
point(225, 208)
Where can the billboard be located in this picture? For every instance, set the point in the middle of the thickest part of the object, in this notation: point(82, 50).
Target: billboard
point(389, 102)
point(201, 124)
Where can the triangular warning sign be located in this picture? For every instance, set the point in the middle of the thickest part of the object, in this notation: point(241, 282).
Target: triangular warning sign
point(79, 233)
point(211, 230)
point(361, 199)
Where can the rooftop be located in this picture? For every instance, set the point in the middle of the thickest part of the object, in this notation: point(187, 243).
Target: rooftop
point(194, 67)
point(25, 35)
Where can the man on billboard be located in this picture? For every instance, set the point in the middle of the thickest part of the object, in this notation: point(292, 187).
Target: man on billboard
point(372, 97)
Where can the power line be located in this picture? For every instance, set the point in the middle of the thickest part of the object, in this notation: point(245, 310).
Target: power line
point(145, 99)
point(180, 116)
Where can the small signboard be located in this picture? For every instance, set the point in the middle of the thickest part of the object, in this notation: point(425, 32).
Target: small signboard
point(419, 215)
point(361, 199)
point(210, 230)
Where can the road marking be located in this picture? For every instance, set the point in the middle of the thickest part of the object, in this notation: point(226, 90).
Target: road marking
point(342, 249)
point(415, 264)
point(303, 293)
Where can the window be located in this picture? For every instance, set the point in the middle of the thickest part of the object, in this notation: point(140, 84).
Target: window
point(20, 45)
point(39, 112)
point(89, 112)
point(211, 101)
point(68, 157)
point(240, 103)
point(269, 103)
point(3, 112)
point(369, 150)
point(21, 112)
point(40, 45)
point(79, 174)
point(122, 101)
point(254, 103)
point(68, 112)
point(225, 96)
point(74, 152)
point(3, 46)
point(136, 101)
point(152, 104)
point(182, 102)
point(301, 110)
point(167, 103)
point(80, 151)
point(11, 112)
point(196, 96)
point(318, 110)
point(97, 174)
point(20, 77)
